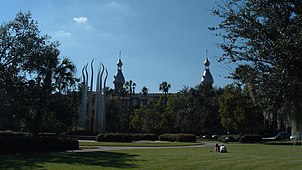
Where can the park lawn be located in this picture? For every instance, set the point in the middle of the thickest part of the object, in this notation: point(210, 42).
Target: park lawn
point(139, 144)
point(240, 156)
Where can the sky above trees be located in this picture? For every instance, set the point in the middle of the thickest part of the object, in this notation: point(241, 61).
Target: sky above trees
point(160, 40)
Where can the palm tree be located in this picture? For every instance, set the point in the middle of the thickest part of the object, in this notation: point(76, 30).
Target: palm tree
point(145, 92)
point(164, 87)
point(64, 75)
point(51, 75)
point(130, 86)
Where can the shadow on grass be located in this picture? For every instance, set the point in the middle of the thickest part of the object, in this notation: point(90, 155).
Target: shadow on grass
point(36, 160)
point(288, 143)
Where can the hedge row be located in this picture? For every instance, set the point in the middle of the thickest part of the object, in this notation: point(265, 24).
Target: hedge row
point(146, 136)
point(181, 137)
point(11, 133)
point(122, 137)
point(33, 144)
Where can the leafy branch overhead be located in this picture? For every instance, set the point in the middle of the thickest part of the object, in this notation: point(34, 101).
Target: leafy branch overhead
point(264, 38)
point(31, 72)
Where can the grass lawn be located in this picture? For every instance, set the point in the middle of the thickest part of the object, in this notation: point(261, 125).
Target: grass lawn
point(139, 144)
point(240, 156)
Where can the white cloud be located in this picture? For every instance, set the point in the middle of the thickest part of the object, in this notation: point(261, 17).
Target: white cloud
point(61, 34)
point(114, 4)
point(80, 19)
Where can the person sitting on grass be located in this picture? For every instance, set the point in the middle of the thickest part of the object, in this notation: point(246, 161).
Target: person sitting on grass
point(216, 148)
point(223, 149)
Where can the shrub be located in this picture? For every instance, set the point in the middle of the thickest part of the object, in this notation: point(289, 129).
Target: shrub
point(114, 137)
point(11, 133)
point(251, 138)
point(148, 136)
point(124, 137)
point(29, 143)
point(80, 132)
point(181, 137)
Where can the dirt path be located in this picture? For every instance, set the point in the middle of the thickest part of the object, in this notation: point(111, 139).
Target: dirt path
point(111, 148)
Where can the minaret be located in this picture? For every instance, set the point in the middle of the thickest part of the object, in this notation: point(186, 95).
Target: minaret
point(207, 78)
point(119, 79)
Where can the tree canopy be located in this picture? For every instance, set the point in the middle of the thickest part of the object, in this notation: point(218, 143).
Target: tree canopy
point(31, 72)
point(266, 36)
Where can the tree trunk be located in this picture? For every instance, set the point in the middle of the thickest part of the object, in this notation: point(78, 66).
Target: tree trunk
point(295, 117)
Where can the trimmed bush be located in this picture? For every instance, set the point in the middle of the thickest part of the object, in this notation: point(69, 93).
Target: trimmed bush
point(147, 136)
point(124, 137)
point(34, 144)
point(114, 137)
point(181, 137)
point(11, 133)
point(81, 132)
point(251, 138)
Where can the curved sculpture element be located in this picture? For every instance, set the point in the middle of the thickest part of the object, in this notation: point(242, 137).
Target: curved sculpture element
point(86, 96)
point(82, 112)
point(96, 103)
point(91, 81)
point(100, 113)
point(85, 99)
point(90, 113)
point(104, 104)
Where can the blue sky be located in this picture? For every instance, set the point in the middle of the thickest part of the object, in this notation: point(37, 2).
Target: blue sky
point(160, 40)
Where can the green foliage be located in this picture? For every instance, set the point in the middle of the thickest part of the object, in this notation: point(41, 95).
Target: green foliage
point(182, 137)
point(164, 87)
point(115, 137)
point(124, 137)
point(36, 144)
point(148, 120)
point(192, 110)
point(11, 133)
point(113, 111)
point(264, 38)
point(232, 108)
point(146, 136)
point(237, 110)
point(31, 72)
point(145, 91)
point(197, 110)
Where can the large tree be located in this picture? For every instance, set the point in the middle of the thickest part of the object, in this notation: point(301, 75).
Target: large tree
point(19, 42)
point(31, 71)
point(266, 35)
point(196, 110)
point(51, 75)
point(238, 112)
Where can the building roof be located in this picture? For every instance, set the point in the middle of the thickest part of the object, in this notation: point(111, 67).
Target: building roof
point(119, 63)
point(119, 77)
point(207, 77)
point(206, 62)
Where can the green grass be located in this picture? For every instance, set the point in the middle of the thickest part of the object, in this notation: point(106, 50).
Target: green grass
point(139, 144)
point(240, 156)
